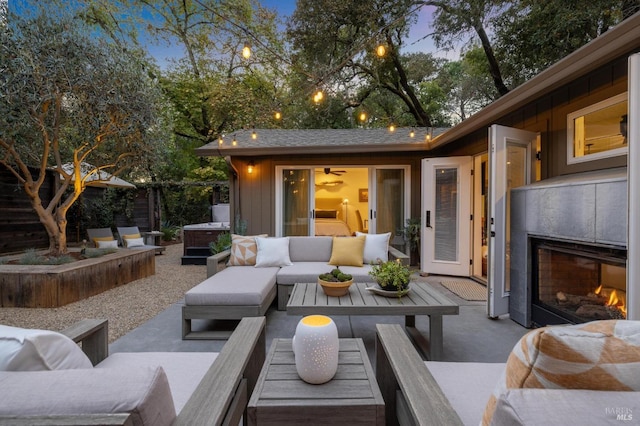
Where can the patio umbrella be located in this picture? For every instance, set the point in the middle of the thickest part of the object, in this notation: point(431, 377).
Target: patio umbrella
point(100, 179)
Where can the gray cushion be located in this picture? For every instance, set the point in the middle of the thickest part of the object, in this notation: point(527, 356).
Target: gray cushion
point(566, 407)
point(467, 386)
point(310, 249)
point(234, 286)
point(307, 272)
point(142, 391)
point(184, 370)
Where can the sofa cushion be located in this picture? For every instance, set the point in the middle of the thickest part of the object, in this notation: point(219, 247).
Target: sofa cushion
point(307, 272)
point(23, 349)
point(310, 249)
point(598, 355)
point(347, 251)
point(376, 247)
point(272, 252)
point(142, 391)
point(566, 407)
point(243, 250)
point(237, 285)
point(467, 385)
point(184, 370)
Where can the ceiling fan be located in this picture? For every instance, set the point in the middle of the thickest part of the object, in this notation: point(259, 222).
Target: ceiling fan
point(327, 170)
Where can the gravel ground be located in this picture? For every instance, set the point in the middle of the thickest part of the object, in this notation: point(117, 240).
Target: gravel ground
point(125, 307)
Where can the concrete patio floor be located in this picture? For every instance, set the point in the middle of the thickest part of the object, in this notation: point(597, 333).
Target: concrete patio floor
point(469, 336)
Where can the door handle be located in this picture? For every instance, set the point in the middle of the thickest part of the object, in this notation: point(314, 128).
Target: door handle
point(428, 218)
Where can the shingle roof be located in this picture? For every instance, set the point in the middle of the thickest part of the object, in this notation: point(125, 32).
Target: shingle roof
point(317, 141)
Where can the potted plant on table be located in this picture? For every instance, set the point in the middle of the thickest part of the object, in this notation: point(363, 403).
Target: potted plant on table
point(392, 275)
point(335, 283)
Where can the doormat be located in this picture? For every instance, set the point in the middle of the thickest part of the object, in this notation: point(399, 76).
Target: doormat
point(466, 289)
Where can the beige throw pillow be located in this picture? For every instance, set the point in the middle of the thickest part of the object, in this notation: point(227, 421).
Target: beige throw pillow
point(347, 251)
point(243, 250)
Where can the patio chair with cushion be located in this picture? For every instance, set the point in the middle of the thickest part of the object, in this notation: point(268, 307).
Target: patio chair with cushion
point(101, 238)
point(131, 237)
point(53, 381)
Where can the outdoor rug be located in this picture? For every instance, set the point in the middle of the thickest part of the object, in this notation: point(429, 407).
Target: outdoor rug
point(466, 289)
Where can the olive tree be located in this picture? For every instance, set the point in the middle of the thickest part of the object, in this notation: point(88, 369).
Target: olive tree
point(66, 96)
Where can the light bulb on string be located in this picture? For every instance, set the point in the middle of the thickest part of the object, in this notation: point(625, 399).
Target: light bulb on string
point(381, 50)
point(246, 51)
point(363, 116)
point(392, 128)
point(254, 135)
point(277, 115)
point(318, 96)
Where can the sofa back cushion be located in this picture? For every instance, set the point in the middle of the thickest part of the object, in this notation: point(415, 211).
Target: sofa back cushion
point(142, 392)
point(598, 355)
point(347, 251)
point(23, 349)
point(310, 249)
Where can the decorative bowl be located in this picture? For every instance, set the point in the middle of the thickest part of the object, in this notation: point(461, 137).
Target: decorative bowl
point(337, 289)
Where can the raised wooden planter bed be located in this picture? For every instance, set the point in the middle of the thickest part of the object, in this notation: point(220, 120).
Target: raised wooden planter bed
point(44, 286)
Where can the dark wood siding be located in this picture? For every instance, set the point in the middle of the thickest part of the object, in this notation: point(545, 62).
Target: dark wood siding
point(20, 227)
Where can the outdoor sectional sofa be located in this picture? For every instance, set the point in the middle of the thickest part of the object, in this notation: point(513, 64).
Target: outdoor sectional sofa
point(146, 388)
point(233, 292)
point(578, 374)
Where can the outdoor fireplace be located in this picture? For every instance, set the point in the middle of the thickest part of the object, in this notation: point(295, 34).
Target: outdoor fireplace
point(568, 249)
point(575, 282)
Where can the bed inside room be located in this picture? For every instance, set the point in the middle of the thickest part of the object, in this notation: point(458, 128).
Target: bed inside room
point(329, 217)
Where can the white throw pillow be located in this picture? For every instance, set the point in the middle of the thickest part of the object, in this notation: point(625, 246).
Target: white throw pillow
point(133, 242)
point(272, 252)
point(376, 246)
point(24, 349)
point(107, 244)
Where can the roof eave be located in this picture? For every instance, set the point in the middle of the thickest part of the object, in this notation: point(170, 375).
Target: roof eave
point(207, 150)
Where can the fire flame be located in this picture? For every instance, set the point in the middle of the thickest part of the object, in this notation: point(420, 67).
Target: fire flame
point(616, 298)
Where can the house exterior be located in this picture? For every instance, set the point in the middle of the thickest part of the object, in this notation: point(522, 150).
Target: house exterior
point(570, 127)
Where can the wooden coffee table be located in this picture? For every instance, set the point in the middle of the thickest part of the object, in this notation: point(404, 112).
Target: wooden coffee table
point(281, 398)
point(309, 299)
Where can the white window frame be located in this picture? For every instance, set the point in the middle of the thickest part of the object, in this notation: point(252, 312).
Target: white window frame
point(571, 159)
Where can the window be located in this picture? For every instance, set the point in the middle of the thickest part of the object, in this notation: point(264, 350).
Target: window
point(598, 131)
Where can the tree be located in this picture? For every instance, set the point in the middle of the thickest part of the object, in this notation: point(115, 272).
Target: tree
point(66, 97)
point(532, 35)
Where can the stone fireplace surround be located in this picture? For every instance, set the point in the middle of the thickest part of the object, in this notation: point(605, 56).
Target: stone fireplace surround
point(588, 208)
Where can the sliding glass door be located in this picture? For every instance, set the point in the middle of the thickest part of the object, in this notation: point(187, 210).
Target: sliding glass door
point(296, 200)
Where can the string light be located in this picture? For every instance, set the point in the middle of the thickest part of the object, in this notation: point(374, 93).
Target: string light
point(220, 141)
point(234, 142)
point(246, 51)
point(277, 115)
point(318, 96)
point(254, 135)
point(381, 50)
point(392, 128)
point(363, 116)
point(412, 133)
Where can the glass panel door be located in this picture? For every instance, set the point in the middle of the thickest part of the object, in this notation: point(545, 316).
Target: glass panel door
point(390, 200)
point(446, 224)
point(296, 202)
point(509, 167)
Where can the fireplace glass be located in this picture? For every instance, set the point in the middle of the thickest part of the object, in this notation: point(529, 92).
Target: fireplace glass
point(575, 283)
